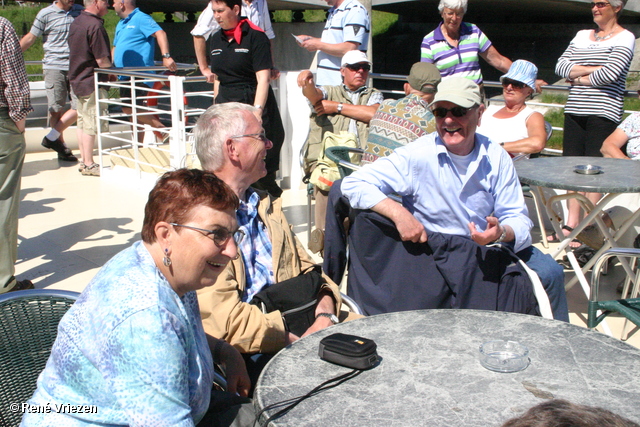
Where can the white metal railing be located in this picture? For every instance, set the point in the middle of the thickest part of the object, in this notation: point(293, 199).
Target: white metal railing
point(159, 95)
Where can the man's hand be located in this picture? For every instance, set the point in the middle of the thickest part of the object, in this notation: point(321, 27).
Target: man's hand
point(170, 64)
point(21, 125)
point(326, 304)
point(411, 229)
point(275, 73)
point(312, 44)
point(408, 226)
point(235, 370)
point(491, 234)
point(326, 107)
point(305, 79)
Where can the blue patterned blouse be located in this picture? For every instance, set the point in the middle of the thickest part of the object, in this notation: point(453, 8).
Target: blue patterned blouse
point(132, 348)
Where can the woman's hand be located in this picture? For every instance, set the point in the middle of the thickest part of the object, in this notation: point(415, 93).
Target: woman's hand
point(235, 370)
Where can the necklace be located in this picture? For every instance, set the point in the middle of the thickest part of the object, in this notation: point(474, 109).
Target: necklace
point(608, 36)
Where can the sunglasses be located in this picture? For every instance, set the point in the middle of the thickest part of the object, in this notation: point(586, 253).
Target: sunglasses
point(357, 67)
point(599, 4)
point(514, 83)
point(441, 112)
point(220, 236)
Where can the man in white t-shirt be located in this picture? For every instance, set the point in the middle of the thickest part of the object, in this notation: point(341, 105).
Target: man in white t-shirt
point(347, 28)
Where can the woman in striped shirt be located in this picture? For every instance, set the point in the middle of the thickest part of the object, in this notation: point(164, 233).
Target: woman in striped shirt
point(595, 64)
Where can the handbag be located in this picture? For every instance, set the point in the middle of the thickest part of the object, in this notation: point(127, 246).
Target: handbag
point(295, 298)
point(326, 170)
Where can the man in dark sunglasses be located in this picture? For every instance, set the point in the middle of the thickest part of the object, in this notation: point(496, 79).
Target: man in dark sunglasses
point(454, 181)
point(343, 108)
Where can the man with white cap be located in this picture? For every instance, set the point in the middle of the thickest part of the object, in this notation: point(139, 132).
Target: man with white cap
point(456, 181)
point(347, 107)
point(401, 121)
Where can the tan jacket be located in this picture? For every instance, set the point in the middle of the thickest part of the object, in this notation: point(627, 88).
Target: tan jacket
point(243, 325)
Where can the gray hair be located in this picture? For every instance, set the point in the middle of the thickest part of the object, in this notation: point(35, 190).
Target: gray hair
point(214, 127)
point(453, 4)
point(618, 3)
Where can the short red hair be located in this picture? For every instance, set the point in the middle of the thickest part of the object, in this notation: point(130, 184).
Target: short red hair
point(176, 194)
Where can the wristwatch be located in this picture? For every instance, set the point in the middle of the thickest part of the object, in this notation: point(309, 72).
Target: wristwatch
point(340, 105)
point(502, 236)
point(258, 106)
point(166, 55)
point(334, 319)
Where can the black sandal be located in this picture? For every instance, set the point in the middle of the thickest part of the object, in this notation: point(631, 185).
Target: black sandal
point(554, 237)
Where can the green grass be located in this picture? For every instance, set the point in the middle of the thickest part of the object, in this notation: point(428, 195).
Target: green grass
point(22, 18)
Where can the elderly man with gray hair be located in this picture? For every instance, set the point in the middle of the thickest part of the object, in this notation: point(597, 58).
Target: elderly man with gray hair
point(230, 142)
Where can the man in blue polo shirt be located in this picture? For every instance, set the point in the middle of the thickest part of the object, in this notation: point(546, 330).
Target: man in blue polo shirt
point(133, 46)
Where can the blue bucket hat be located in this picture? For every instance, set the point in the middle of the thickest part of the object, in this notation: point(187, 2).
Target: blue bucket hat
point(522, 71)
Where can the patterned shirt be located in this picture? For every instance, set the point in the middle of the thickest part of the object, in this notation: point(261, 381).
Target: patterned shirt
point(605, 96)
point(348, 22)
point(14, 86)
point(631, 127)
point(52, 23)
point(397, 123)
point(130, 346)
point(255, 248)
point(461, 61)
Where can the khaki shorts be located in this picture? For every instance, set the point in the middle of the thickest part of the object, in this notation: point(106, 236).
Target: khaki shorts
point(56, 83)
point(87, 118)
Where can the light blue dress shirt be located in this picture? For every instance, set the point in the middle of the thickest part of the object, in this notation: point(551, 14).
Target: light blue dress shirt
point(131, 347)
point(423, 173)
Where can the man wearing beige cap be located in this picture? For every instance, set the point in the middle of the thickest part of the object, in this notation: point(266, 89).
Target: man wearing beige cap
point(399, 122)
point(455, 181)
point(347, 107)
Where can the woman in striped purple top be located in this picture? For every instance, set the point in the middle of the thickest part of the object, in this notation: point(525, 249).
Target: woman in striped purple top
point(455, 46)
point(595, 64)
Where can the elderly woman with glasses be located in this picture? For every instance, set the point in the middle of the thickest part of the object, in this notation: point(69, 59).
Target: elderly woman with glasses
point(596, 65)
point(133, 347)
point(453, 40)
point(516, 127)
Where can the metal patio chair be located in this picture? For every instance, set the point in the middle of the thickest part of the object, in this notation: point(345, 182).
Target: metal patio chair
point(28, 327)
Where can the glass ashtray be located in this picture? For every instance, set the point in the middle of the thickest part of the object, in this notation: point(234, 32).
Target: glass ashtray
point(504, 356)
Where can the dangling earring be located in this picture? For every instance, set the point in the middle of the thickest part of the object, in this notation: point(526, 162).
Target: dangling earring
point(166, 260)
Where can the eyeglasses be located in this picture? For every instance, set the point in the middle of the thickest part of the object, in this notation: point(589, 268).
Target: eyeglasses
point(261, 136)
point(220, 236)
point(514, 83)
point(599, 4)
point(358, 67)
point(441, 112)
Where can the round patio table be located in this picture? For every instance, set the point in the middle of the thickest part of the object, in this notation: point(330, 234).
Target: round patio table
point(430, 374)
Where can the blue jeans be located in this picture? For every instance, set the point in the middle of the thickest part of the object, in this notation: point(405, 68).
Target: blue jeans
point(551, 275)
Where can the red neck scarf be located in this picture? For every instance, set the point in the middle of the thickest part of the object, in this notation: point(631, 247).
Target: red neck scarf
point(236, 32)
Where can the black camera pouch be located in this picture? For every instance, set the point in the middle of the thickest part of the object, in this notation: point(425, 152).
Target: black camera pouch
point(348, 350)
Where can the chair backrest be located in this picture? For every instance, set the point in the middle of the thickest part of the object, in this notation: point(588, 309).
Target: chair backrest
point(599, 309)
point(28, 327)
